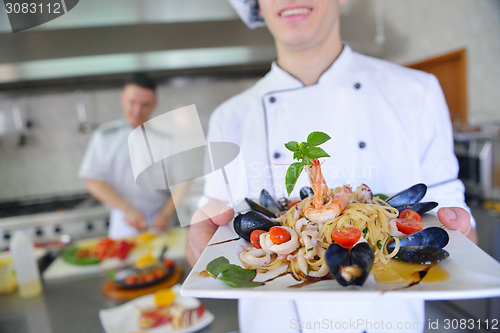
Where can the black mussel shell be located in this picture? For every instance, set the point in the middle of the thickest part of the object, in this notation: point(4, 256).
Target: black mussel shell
point(362, 255)
point(258, 208)
point(337, 257)
point(421, 254)
point(428, 237)
point(268, 201)
point(305, 192)
point(420, 207)
point(244, 224)
point(411, 195)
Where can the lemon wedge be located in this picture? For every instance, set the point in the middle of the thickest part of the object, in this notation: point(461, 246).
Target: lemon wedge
point(164, 297)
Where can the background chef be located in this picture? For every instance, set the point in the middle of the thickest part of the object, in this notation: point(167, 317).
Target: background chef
point(390, 129)
point(107, 170)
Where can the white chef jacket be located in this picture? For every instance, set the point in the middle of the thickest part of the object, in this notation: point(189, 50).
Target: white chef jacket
point(107, 158)
point(390, 128)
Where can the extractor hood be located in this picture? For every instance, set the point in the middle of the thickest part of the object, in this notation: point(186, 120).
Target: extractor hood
point(98, 38)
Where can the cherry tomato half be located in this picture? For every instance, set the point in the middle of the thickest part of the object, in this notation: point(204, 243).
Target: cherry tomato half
point(410, 214)
point(346, 237)
point(255, 238)
point(407, 226)
point(279, 235)
point(169, 263)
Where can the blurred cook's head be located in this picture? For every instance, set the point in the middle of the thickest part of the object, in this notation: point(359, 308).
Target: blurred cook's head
point(298, 25)
point(138, 99)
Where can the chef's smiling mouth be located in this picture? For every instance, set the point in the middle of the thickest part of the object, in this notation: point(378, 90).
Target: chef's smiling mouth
point(295, 11)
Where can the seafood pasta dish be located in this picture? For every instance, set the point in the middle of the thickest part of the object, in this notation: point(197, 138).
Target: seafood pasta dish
point(310, 223)
point(339, 232)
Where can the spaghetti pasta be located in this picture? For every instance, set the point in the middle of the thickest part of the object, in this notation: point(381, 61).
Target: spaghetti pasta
point(308, 260)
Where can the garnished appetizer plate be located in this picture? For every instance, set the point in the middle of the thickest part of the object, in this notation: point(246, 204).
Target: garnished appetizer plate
point(177, 314)
point(468, 273)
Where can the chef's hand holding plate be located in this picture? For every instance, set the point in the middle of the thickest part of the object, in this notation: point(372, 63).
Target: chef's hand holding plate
point(455, 218)
point(212, 215)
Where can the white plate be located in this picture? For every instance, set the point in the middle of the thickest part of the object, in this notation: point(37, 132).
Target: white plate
point(125, 318)
point(473, 274)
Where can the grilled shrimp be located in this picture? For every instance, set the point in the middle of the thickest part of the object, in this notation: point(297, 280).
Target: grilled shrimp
point(331, 209)
point(315, 208)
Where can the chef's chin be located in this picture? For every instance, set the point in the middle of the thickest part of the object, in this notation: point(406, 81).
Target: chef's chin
point(302, 31)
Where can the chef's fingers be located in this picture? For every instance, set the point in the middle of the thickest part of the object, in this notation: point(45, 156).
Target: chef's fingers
point(216, 211)
point(138, 222)
point(455, 218)
point(198, 237)
point(160, 223)
point(142, 224)
point(204, 223)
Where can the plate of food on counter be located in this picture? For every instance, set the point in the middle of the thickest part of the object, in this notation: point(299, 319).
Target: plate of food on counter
point(344, 242)
point(164, 311)
point(144, 272)
point(95, 252)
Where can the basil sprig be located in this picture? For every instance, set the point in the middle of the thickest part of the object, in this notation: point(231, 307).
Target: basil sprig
point(233, 275)
point(304, 152)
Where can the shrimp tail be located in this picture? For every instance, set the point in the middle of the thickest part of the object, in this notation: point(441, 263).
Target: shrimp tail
point(317, 182)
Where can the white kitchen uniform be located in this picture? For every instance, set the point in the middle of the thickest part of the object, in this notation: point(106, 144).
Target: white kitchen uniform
point(107, 158)
point(390, 129)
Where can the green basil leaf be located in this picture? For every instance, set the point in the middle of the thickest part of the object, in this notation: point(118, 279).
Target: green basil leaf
point(292, 146)
point(365, 232)
point(316, 138)
point(381, 196)
point(315, 152)
point(292, 174)
point(217, 266)
point(297, 155)
point(241, 283)
point(379, 244)
point(306, 160)
point(239, 277)
point(236, 272)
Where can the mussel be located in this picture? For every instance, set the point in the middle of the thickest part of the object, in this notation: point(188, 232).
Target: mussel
point(411, 195)
point(432, 236)
point(421, 254)
point(258, 208)
point(305, 192)
point(267, 201)
point(244, 224)
point(423, 247)
point(350, 266)
point(410, 199)
point(419, 207)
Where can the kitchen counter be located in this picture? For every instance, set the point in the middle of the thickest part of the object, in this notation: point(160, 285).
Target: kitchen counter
point(72, 305)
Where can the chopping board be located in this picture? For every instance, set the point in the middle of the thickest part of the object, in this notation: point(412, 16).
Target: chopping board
point(112, 290)
point(175, 239)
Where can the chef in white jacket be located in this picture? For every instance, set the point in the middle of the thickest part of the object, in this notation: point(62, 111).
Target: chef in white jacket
point(107, 170)
point(390, 129)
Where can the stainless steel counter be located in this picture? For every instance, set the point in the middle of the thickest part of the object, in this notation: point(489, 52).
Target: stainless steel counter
point(73, 306)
